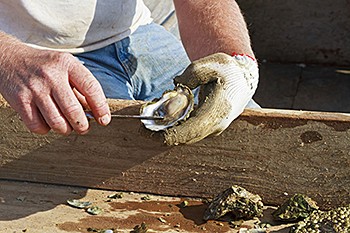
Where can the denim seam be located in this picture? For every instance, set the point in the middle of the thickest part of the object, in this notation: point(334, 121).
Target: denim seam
point(124, 61)
point(127, 64)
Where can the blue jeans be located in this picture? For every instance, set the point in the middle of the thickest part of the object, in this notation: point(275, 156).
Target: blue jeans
point(139, 67)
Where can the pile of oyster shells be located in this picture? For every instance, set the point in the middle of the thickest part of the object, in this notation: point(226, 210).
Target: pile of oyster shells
point(299, 208)
point(336, 220)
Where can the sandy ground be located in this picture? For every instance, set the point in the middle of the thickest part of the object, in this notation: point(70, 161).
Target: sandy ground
point(30, 207)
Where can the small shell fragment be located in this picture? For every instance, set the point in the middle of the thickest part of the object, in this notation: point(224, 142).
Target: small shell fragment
point(116, 195)
point(112, 230)
point(94, 210)
point(21, 198)
point(141, 229)
point(184, 204)
point(146, 198)
point(237, 223)
point(79, 204)
point(162, 220)
point(257, 230)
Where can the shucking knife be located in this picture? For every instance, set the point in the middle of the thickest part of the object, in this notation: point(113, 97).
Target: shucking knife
point(89, 115)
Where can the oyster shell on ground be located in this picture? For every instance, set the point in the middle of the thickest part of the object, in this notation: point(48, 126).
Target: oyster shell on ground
point(94, 210)
point(333, 221)
point(297, 207)
point(174, 105)
point(116, 195)
point(236, 200)
point(79, 204)
point(141, 229)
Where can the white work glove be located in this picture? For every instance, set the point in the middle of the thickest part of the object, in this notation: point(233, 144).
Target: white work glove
point(227, 84)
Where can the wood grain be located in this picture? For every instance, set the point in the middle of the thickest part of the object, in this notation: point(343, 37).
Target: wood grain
point(273, 153)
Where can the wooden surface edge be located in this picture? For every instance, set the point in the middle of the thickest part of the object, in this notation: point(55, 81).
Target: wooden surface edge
point(274, 153)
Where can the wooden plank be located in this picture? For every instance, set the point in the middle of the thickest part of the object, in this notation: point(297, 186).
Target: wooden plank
point(273, 153)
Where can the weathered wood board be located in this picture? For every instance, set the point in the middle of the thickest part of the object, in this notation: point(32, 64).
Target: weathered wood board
point(273, 153)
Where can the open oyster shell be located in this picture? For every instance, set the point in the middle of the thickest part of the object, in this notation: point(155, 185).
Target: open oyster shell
point(174, 105)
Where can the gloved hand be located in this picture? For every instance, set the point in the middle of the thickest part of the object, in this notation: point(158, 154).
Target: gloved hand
point(227, 84)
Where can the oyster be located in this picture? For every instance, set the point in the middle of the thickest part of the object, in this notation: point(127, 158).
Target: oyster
point(94, 210)
point(116, 195)
point(297, 207)
point(174, 105)
point(236, 200)
point(79, 204)
point(141, 229)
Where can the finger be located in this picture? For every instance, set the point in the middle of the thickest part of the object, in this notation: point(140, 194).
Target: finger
point(71, 109)
point(32, 118)
point(81, 99)
point(53, 116)
point(88, 86)
point(29, 113)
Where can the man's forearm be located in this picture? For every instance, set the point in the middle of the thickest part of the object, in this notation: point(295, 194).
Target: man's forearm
point(211, 26)
point(4, 39)
point(7, 42)
point(8, 47)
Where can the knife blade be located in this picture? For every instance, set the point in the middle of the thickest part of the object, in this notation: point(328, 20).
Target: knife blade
point(89, 115)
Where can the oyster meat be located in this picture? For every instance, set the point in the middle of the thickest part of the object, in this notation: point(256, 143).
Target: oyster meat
point(174, 105)
point(236, 200)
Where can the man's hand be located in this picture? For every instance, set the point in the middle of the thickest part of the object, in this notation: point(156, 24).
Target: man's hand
point(227, 84)
point(48, 89)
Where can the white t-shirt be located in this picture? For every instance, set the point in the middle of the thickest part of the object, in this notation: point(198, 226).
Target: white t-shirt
point(72, 25)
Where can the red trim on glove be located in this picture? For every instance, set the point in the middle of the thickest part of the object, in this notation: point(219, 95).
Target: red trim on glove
point(235, 54)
